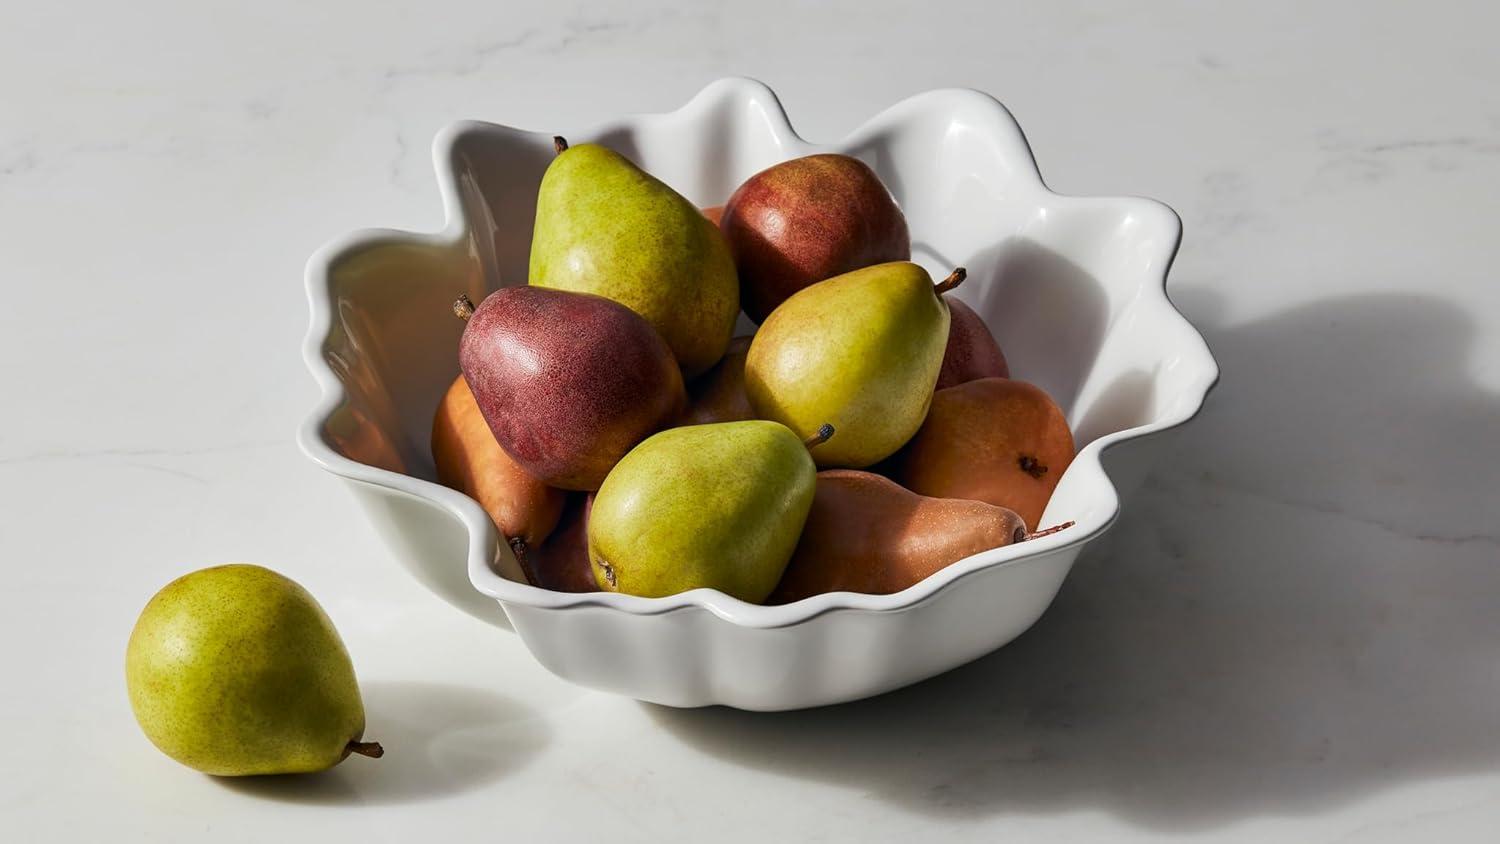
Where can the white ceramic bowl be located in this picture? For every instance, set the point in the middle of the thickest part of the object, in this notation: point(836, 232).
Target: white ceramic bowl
point(1073, 287)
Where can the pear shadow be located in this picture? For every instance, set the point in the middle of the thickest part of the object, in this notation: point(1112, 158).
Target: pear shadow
point(1048, 314)
point(439, 740)
point(714, 168)
point(498, 174)
point(924, 251)
point(623, 142)
point(1295, 612)
point(876, 153)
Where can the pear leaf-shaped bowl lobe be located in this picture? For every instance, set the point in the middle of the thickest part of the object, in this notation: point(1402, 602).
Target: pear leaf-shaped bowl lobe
point(1074, 288)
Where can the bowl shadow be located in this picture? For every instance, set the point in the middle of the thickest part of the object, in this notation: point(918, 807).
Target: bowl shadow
point(439, 740)
point(1295, 611)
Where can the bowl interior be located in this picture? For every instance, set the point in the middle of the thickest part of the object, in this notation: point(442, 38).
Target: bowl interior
point(1070, 286)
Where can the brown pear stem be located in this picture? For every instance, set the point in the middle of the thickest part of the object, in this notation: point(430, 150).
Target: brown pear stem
point(463, 307)
point(518, 547)
point(1038, 534)
point(824, 432)
point(559, 144)
point(371, 749)
point(953, 280)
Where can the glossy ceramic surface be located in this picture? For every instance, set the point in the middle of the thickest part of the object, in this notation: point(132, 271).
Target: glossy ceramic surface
point(1073, 287)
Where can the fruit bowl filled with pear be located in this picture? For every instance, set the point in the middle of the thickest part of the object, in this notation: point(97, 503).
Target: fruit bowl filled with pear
point(718, 416)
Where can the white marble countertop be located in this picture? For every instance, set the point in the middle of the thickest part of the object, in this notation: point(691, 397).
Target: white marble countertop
point(1292, 634)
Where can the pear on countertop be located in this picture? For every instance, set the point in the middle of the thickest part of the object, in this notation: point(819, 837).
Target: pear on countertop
point(236, 670)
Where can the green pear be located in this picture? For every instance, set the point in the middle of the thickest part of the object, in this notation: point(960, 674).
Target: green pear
point(236, 670)
point(861, 350)
point(606, 227)
point(717, 506)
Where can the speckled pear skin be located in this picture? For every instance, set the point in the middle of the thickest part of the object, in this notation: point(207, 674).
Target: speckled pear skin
point(996, 440)
point(568, 382)
point(868, 534)
point(802, 221)
point(862, 351)
point(717, 506)
point(972, 352)
point(236, 670)
point(605, 226)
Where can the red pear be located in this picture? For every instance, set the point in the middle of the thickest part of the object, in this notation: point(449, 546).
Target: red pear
point(805, 220)
point(972, 352)
point(568, 382)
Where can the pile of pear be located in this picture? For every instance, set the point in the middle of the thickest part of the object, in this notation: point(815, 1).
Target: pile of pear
point(621, 438)
point(865, 436)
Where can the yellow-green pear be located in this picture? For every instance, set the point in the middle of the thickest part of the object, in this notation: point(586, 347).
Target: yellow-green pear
point(236, 670)
point(718, 506)
point(605, 226)
point(861, 350)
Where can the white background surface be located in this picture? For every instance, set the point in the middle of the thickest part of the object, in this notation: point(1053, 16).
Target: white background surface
point(1292, 632)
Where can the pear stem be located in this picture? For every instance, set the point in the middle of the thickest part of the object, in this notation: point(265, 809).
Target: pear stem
point(463, 307)
point(953, 280)
point(1038, 534)
point(371, 749)
point(518, 547)
point(824, 432)
point(559, 144)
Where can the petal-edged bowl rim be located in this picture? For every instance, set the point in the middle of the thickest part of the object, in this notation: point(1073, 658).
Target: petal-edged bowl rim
point(484, 540)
